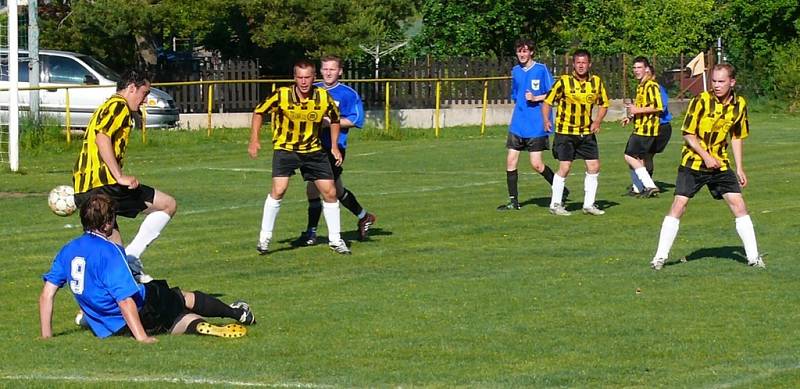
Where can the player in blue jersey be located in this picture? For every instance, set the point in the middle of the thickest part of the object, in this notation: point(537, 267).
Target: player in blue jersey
point(111, 300)
point(351, 111)
point(530, 82)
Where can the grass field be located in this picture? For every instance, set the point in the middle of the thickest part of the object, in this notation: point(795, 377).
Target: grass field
point(448, 292)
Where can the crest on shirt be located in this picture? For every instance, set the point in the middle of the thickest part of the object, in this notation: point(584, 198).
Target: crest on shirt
point(312, 116)
point(590, 98)
point(535, 84)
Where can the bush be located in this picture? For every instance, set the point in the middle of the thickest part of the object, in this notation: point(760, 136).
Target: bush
point(785, 71)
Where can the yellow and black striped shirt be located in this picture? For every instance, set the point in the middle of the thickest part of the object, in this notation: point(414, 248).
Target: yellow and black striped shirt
point(648, 95)
point(113, 119)
point(575, 101)
point(296, 122)
point(711, 121)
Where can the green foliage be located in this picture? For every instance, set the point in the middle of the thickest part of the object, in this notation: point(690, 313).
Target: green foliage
point(479, 27)
point(785, 70)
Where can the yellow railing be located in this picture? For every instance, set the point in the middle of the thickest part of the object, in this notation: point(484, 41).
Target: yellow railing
point(211, 83)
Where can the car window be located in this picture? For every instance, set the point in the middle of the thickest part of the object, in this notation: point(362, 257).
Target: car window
point(63, 70)
point(23, 71)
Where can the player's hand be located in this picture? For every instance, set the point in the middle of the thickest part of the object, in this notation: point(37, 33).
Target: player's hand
point(625, 121)
point(711, 162)
point(148, 340)
point(528, 95)
point(337, 155)
point(130, 181)
point(595, 127)
point(742, 177)
point(548, 125)
point(253, 148)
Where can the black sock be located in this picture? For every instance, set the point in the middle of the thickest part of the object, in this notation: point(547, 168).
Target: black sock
point(648, 164)
point(511, 181)
point(192, 327)
point(349, 201)
point(205, 305)
point(547, 173)
point(314, 213)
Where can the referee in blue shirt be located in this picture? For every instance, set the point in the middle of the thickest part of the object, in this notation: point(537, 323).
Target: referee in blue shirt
point(530, 82)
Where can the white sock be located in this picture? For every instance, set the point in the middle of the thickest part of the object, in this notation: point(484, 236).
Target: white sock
point(669, 230)
point(148, 232)
point(362, 214)
point(644, 176)
point(590, 189)
point(271, 209)
point(637, 186)
point(558, 190)
point(744, 226)
point(331, 213)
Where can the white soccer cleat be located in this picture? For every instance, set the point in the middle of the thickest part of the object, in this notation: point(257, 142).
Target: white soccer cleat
point(339, 247)
point(594, 211)
point(80, 320)
point(757, 263)
point(263, 247)
point(559, 210)
point(657, 263)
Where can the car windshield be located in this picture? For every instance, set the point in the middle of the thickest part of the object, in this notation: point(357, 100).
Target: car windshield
point(104, 70)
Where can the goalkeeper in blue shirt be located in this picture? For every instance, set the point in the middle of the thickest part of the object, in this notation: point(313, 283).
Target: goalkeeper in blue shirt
point(530, 82)
point(113, 303)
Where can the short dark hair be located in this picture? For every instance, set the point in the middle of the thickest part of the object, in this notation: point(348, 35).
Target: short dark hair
point(726, 66)
point(135, 77)
point(98, 212)
point(643, 60)
point(581, 53)
point(332, 58)
point(304, 64)
point(524, 42)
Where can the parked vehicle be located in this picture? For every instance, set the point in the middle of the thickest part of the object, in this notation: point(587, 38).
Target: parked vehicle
point(59, 69)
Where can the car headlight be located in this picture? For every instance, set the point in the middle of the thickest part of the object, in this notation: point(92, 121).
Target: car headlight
point(155, 102)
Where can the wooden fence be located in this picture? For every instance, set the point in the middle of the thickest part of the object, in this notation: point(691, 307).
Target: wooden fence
point(243, 97)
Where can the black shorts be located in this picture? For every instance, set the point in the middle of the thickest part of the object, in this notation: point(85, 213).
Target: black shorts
point(572, 147)
point(530, 145)
point(163, 307)
point(664, 135)
point(641, 146)
point(337, 170)
point(689, 182)
point(313, 166)
point(130, 202)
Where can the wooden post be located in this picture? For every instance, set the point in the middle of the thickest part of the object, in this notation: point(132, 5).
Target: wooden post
point(624, 77)
point(143, 111)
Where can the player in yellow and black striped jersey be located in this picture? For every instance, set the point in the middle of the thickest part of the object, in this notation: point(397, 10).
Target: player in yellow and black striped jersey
point(99, 169)
point(643, 142)
point(298, 113)
point(710, 120)
point(576, 95)
point(297, 122)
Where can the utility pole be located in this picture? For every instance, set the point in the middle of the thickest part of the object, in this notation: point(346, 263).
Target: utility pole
point(33, 57)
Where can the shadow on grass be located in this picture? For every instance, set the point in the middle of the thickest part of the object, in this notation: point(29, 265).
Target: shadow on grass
point(577, 205)
point(349, 236)
point(733, 253)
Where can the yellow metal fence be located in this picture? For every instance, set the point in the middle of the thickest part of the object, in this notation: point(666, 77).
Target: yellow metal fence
point(210, 84)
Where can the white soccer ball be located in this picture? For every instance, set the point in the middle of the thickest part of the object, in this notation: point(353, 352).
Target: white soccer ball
point(62, 200)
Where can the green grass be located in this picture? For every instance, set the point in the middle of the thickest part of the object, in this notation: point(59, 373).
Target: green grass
point(448, 292)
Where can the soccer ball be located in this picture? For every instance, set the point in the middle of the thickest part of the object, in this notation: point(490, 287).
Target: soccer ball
point(62, 200)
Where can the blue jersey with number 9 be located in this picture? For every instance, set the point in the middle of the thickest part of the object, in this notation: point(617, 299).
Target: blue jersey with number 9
point(98, 276)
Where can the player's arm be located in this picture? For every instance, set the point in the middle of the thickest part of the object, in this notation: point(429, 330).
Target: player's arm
point(603, 102)
point(131, 315)
point(335, 143)
point(694, 143)
point(550, 98)
point(46, 299)
point(258, 120)
point(737, 145)
point(653, 98)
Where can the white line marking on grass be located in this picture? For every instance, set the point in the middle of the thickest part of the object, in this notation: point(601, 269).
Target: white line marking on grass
point(145, 379)
point(371, 171)
point(751, 380)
